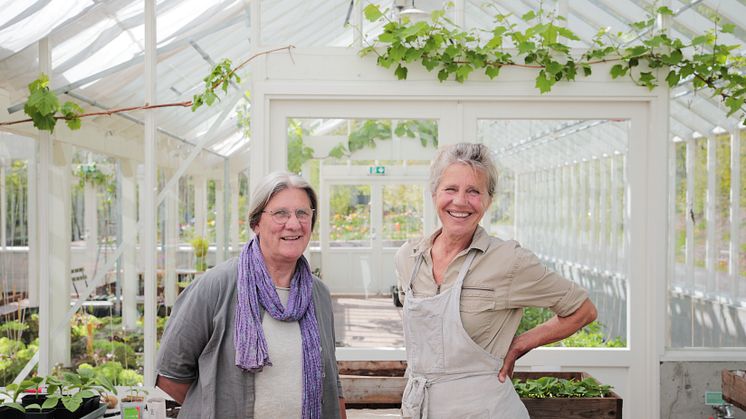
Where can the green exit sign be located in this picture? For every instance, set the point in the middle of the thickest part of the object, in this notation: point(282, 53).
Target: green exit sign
point(714, 398)
point(377, 170)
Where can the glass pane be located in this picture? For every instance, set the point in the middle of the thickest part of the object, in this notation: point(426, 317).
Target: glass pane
point(739, 281)
point(561, 193)
point(697, 211)
point(19, 328)
point(304, 23)
point(680, 210)
point(349, 216)
point(706, 287)
point(402, 214)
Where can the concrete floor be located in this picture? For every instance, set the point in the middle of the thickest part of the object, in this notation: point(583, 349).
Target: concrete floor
point(372, 322)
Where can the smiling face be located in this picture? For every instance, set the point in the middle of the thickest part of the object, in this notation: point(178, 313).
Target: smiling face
point(284, 243)
point(461, 199)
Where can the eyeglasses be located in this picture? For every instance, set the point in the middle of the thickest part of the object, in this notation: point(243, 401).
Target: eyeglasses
point(282, 215)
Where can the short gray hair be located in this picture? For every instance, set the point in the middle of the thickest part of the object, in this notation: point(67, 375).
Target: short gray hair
point(270, 186)
point(476, 156)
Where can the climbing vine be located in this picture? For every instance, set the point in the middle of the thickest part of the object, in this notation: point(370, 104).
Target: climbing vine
point(44, 109)
point(367, 133)
point(441, 46)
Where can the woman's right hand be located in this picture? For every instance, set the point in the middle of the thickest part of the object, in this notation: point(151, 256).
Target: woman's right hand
point(516, 350)
point(553, 330)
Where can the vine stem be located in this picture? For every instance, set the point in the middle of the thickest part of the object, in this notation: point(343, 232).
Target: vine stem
point(497, 64)
point(109, 112)
point(238, 67)
point(185, 104)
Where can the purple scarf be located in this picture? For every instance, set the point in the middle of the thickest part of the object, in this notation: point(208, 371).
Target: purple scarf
point(255, 287)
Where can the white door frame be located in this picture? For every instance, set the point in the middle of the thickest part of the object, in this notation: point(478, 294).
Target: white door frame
point(645, 235)
point(633, 370)
point(357, 175)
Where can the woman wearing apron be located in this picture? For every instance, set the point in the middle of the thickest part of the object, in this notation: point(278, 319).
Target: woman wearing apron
point(464, 294)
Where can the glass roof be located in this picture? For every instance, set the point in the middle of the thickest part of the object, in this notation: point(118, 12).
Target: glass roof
point(98, 49)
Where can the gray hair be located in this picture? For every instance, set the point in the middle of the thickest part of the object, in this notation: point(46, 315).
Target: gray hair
point(274, 183)
point(477, 156)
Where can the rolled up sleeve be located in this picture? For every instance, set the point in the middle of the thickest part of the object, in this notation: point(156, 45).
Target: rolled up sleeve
point(187, 333)
point(534, 285)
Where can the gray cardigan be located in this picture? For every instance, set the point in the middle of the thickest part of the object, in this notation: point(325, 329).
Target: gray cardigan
point(197, 346)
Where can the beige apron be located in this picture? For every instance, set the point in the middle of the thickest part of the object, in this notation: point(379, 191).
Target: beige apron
point(450, 376)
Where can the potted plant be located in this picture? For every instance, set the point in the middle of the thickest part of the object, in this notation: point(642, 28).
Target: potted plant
point(200, 247)
point(133, 404)
point(12, 409)
point(566, 395)
point(73, 395)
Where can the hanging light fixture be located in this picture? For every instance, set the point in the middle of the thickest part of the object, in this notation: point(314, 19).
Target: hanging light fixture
point(407, 9)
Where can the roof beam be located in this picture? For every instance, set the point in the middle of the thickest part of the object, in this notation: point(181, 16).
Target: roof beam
point(733, 11)
point(138, 59)
point(690, 119)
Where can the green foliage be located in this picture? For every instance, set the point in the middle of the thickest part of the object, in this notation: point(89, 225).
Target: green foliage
point(90, 173)
point(350, 220)
point(219, 78)
point(454, 53)
point(366, 134)
point(298, 153)
point(532, 317)
point(13, 326)
point(12, 391)
point(425, 130)
point(200, 246)
point(243, 115)
point(550, 387)
point(110, 370)
point(44, 108)
point(113, 372)
point(129, 378)
point(402, 212)
point(591, 336)
point(72, 387)
point(14, 354)
point(118, 351)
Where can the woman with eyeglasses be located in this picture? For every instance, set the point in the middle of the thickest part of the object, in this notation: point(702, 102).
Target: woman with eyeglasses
point(254, 336)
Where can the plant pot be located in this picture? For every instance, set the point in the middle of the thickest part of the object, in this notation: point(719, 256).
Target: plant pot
point(96, 413)
point(734, 388)
point(10, 413)
point(37, 414)
point(89, 406)
point(43, 414)
point(609, 407)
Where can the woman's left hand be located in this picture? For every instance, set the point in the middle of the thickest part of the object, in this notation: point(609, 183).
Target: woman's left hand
point(554, 329)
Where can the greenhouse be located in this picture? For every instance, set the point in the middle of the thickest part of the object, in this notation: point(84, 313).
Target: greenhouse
point(137, 136)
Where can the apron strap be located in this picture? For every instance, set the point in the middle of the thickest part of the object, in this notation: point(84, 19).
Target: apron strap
point(465, 268)
point(415, 401)
point(417, 263)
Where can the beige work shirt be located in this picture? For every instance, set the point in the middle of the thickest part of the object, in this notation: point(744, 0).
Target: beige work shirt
point(503, 279)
